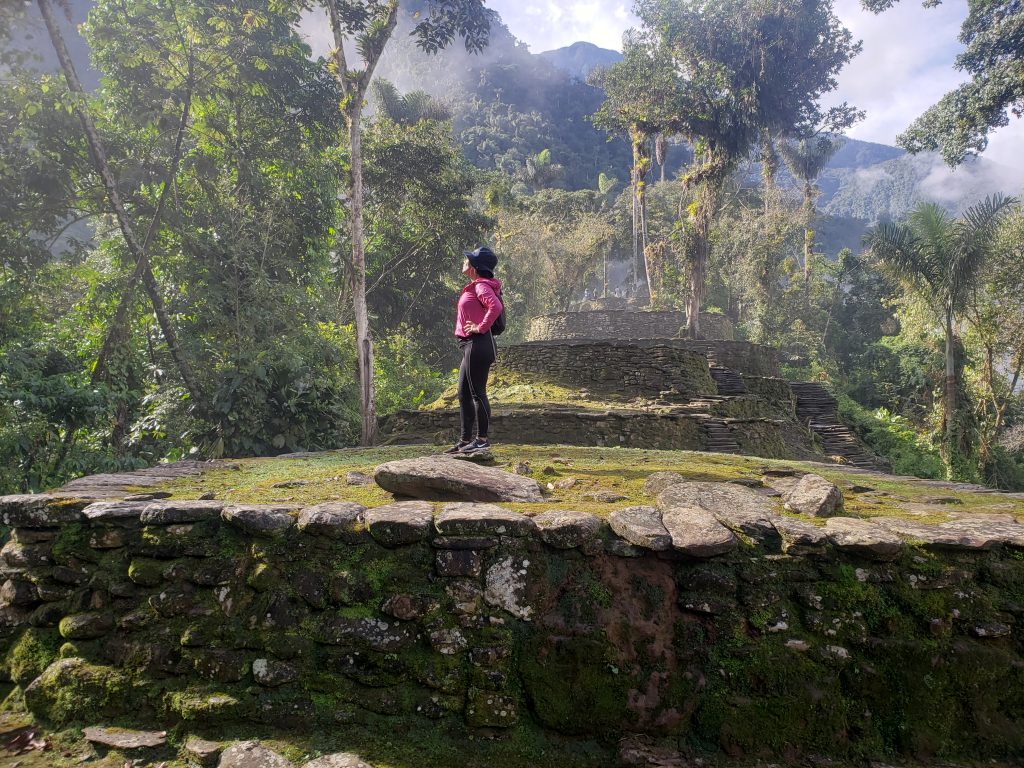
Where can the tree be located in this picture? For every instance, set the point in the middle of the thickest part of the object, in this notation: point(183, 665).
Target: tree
point(940, 258)
point(806, 158)
point(743, 69)
point(368, 25)
point(959, 124)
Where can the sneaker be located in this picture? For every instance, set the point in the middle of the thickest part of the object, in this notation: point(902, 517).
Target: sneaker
point(477, 446)
point(457, 448)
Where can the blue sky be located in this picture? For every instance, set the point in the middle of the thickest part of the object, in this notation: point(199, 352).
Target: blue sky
point(905, 67)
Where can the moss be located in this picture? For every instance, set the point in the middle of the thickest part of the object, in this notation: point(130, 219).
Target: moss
point(33, 652)
point(146, 572)
point(72, 690)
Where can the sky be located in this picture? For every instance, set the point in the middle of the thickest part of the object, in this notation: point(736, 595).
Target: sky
point(905, 67)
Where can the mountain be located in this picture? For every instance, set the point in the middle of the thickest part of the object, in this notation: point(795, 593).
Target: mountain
point(580, 59)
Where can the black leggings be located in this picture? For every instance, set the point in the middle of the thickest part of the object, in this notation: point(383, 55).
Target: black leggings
point(478, 352)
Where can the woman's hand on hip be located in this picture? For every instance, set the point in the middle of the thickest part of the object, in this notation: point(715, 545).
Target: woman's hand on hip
point(470, 327)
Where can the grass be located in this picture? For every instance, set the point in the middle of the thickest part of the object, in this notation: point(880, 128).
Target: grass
point(621, 470)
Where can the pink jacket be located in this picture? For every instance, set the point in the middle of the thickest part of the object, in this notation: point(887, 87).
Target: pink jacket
point(478, 303)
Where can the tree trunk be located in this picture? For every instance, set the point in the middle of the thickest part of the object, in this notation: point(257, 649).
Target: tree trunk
point(641, 165)
point(700, 251)
point(808, 232)
point(114, 197)
point(949, 395)
point(364, 342)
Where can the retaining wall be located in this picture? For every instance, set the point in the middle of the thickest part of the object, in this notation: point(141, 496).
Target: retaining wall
point(163, 612)
point(623, 324)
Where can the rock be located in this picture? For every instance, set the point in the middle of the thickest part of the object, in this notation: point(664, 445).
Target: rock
point(465, 542)
point(19, 593)
point(564, 483)
point(605, 497)
point(173, 512)
point(341, 520)
point(991, 630)
point(567, 529)
point(399, 524)
point(337, 760)
point(409, 607)
point(203, 752)
point(522, 468)
point(486, 709)
point(800, 538)
point(122, 738)
point(757, 524)
point(973, 535)
point(374, 634)
point(468, 519)
point(448, 641)
point(290, 484)
point(118, 512)
point(480, 457)
point(358, 478)
point(108, 538)
point(439, 477)
point(208, 496)
point(222, 666)
point(506, 586)
point(814, 495)
point(642, 527)
point(272, 673)
point(33, 535)
point(269, 520)
point(659, 481)
point(86, 626)
point(696, 532)
point(800, 646)
point(718, 498)
point(39, 510)
point(71, 686)
point(250, 754)
point(203, 707)
point(863, 538)
point(26, 555)
point(459, 562)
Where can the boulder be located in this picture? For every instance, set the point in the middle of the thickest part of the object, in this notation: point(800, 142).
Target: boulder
point(567, 529)
point(122, 738)
point(401, 523)
point(250, 754)
point(696, 532)
point(86, 626)
point(334, 520)
point(800, 538)
point(659, 481)
point(863, 538)
point(642, 527)
point(439, 477)
point(466, 519)
point(337, 760)
point(70, 687)
point(270, 520)
point(814, 495)
point(173, 512)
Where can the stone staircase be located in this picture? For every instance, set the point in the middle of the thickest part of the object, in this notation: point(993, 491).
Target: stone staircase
point(728, 381)
point(719, 438)
point(816, 407)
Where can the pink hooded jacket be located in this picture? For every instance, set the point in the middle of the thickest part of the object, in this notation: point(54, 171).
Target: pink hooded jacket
point(478, 303)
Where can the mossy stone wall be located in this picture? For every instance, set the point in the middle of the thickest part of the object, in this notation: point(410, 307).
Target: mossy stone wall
point(621, 369)
point(624, 324)
point(762, 653)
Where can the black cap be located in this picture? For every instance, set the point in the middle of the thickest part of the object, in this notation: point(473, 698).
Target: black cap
point(482, 258)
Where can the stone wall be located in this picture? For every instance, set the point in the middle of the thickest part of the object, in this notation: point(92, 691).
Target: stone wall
point(623, 324)
point(800, 643)
point(623, 369)
point(669, 430)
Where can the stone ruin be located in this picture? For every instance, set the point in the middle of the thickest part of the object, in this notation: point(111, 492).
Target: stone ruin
point(624, 377)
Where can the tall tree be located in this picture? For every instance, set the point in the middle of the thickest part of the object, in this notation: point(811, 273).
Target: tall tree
point(960, 123)
point(743, 69)
point(940, 258)
point(367, 26)
point(806, 158)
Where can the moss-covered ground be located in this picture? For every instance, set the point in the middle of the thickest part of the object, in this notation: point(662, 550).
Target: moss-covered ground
point(315, 478)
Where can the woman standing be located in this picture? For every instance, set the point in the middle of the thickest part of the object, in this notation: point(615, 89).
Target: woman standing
point(479, 306)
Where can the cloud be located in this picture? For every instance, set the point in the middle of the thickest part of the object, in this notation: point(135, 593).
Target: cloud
point(549, 24)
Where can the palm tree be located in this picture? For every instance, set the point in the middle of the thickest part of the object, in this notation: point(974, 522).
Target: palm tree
point(408, 109)
point(806, 159)
point(938, 258)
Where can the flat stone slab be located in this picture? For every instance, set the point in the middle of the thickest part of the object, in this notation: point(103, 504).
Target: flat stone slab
point(338, 760)
point(202, 751)
point(718, 498)
point(405, 522)
point(122, 738)
point(863, 538)
point(696, 532)
point(973, 535)
point(659, 481)
point(642, 527)
point(115, 511)
point(182, 511)
point(468, 519)
point(445, 479)
point(261, 519)
point(800, 538)
point(814, 495)
point(566, 529)
point(333, 520)
point(251, 754)
point(117, 485)
point(37, 510)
